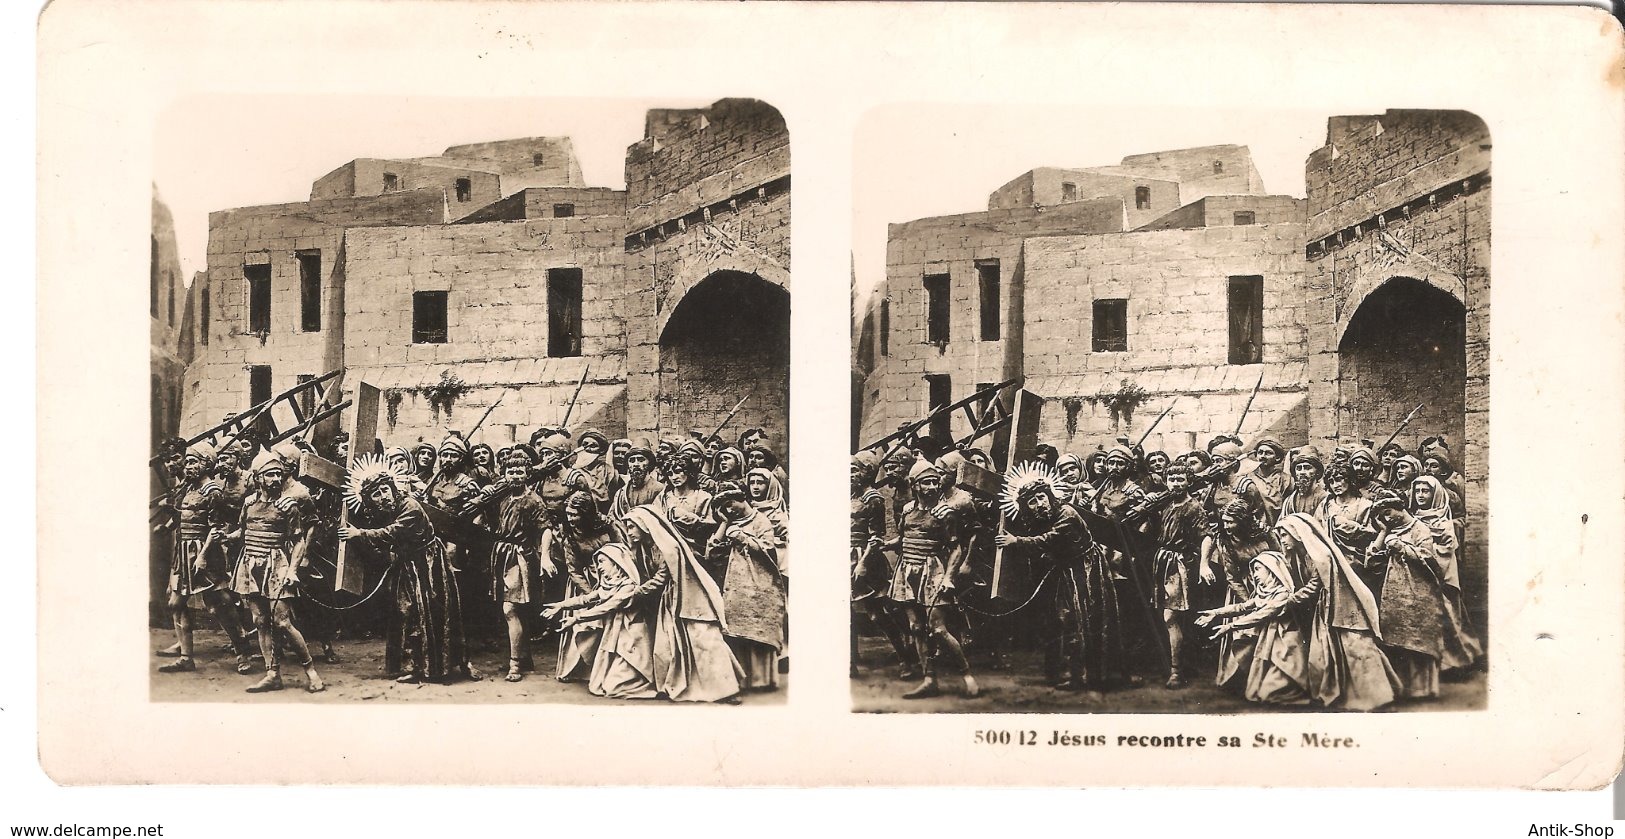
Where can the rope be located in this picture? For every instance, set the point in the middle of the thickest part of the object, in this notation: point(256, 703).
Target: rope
point(1025, 604)
point(382, 578)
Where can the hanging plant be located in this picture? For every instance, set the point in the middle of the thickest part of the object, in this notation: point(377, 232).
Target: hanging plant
point(442, 395)
point(392, 405)
point(1123, 401)
point(1073, 405)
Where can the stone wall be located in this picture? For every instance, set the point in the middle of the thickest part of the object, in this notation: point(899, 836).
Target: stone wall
point(365, 177)
point(1221, 210)
point(543, 202)
point(1176, 287)
point(1194, 169)
point(952, 245)
point(516, 161)
point(708, 194)
point(495, 276)
point(1398, 263)
point(217, 379)
point(1045, 187)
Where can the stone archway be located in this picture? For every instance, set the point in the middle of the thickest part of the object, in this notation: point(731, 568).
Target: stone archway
point(1404, 345)
point(729, 334)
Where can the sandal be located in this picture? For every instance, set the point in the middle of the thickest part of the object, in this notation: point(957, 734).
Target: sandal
point(408, 679)
point(272, 681)
point(514, 673)
point(244, 666)
point(179, 665)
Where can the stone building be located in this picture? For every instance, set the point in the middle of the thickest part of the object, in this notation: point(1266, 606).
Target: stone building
point(1345, 309)
point(168, 313)
point(493, 272)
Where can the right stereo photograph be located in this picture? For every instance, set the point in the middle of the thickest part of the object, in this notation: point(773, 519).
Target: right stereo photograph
point(1169, 411)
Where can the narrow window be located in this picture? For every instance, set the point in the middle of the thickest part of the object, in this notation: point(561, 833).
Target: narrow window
point(939, 390)
point(310, 290)
point(936, 308)
point(259, 383)
point(1218, 167)
point(1246, 320)
point(259, 297)
point(1244, 217)
point(203, 315)
point(307, 397)
point(259, 390)
point(885, 327)
point(169, 292)
point(1111, 326)
point(1142, 198)
point(465, 190)
point(563, 312)
point(563, 210)
point(1069, 191)
point(987, 282)
point(152, 270)
point(537, 159)
point(391, 182)
point(429, 317)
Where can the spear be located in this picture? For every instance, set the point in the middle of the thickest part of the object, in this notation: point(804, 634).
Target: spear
point(731, 414)
point(1249, 405)
point(1407, 421)
point(1153, 426)
point(486, 415)
point(565, 423)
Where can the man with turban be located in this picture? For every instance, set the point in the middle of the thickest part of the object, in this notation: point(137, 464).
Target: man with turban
point(642, 484)
point(198, 559)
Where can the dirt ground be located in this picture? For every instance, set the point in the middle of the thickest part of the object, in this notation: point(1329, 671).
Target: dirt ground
point(359, 676)
point(878, 690)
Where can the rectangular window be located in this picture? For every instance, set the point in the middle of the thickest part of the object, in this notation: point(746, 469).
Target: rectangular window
point(940, 390)
point(465, 190)
point(936, 308)
point(307, 397)
point(885, 327)
point(259, 383)
point(391, 182)
point(564, 312)
point(1246, 320)
point(429, 317)
point(203, 316)
point(1069, 191)
point(563, 210)
point(987, 283)
point(537, 160)
point(1111, 326)
point(1244, 217)
point(259, 297)
point(310, 290)
point(1142, 198)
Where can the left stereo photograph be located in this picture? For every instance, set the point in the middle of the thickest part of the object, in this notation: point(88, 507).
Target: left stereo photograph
point(469, 418)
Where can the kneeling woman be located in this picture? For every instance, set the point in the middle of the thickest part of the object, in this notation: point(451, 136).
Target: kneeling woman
point(1277, 663)
point(623, 666)
point(425, 638)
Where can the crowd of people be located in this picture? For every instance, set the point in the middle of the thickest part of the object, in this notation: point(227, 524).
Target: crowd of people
point(660, 570)
point(1294, 578)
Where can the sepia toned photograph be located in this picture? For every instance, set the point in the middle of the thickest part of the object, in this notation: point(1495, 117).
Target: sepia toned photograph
point(1191, 418)
point(494, 410)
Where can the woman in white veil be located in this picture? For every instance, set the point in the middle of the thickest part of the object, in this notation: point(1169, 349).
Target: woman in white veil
point(1347, 669)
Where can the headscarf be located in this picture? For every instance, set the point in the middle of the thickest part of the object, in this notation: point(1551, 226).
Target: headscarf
point(1365, 452)
point(401, 452)
point(424, 472)
point(1344, 604)
point(603, 442)
point(454, 443)
point(774, 500)
point(1439, 511)
point(1070, 458)
point(1352, 604)
point(768, 457)
point(622, 558)
point(1416, 468)
point(739, 465)
point(692, 595)
point(1272, 443)
point(1439, 521)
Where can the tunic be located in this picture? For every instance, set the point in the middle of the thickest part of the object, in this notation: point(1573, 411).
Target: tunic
point(425, 632)
point(753, 597)
point(930, 547)
point(267, 566)
point(695, 505)
point(1418, 627)
point(191, 571)
point(1179, 545)
point(869, 569)
point(519, 520)
point(629, 496)
point(1077, 586)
